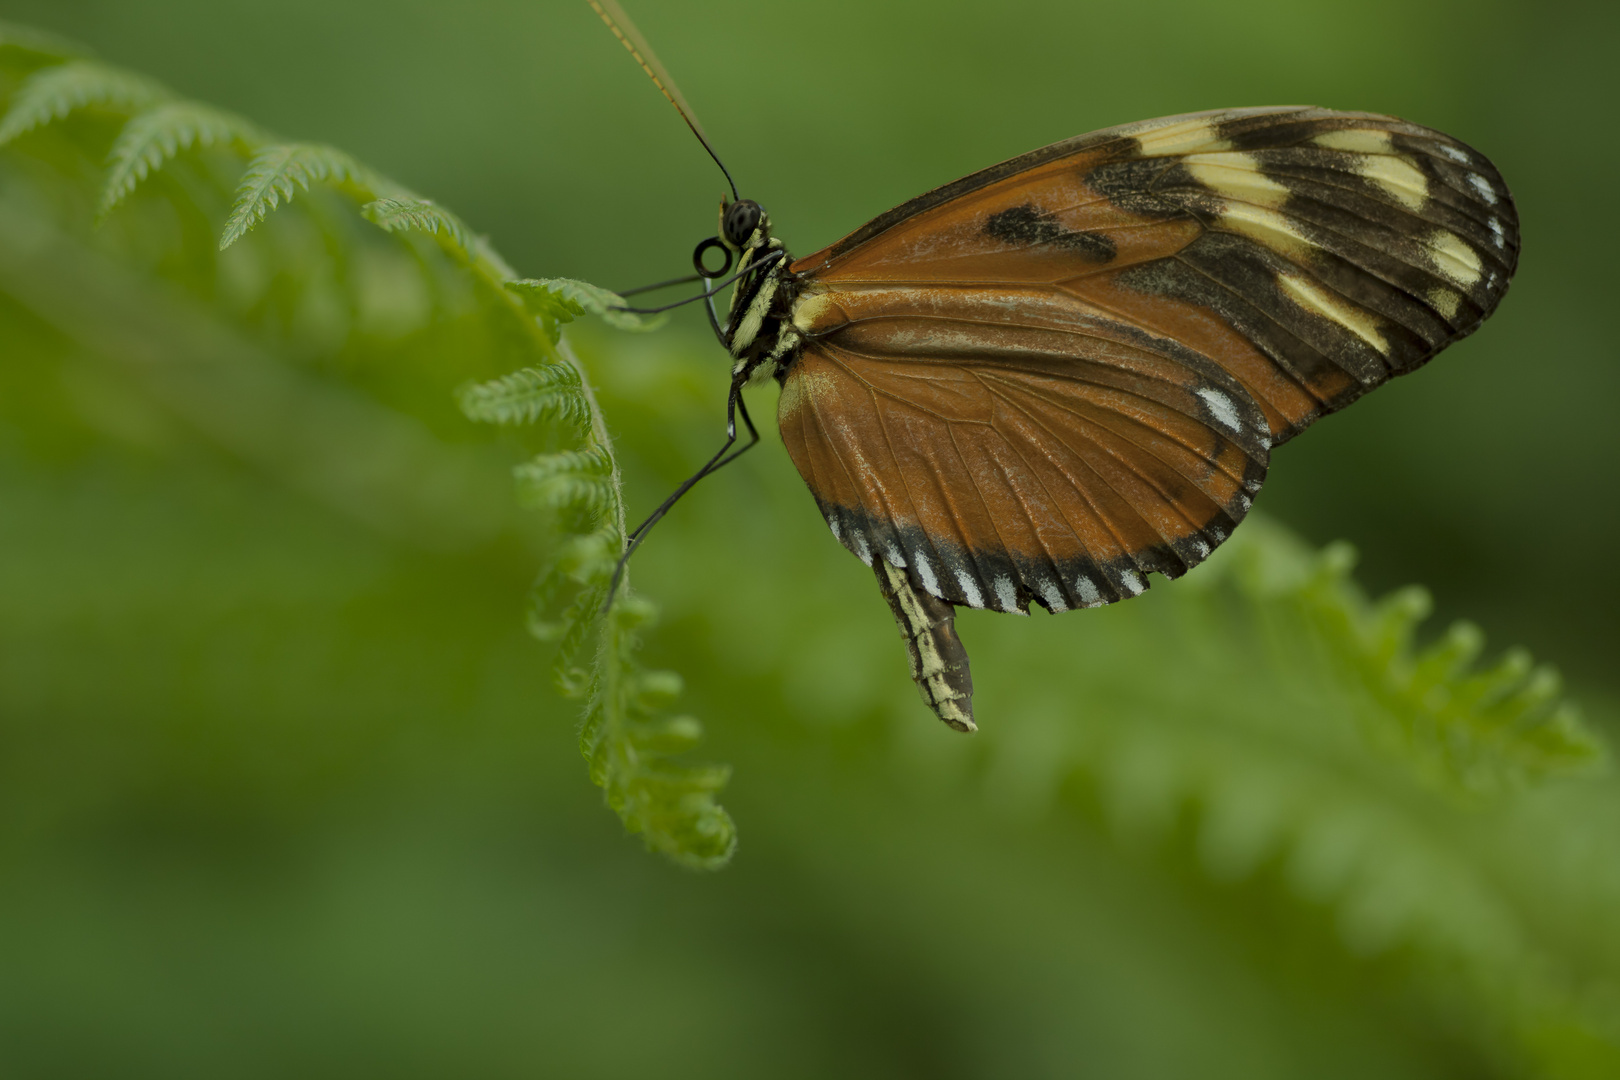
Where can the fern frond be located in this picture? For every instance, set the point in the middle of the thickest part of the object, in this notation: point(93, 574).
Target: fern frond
point(52, 93)
point(556, 301)
point(579, 480)
point(277, 172)
point(551, 392)
point(584, 559)
point(420, 215)
point(672, 807)
point(153, 138)
point(573, 672)
point(39, 43)
point(1481, 730)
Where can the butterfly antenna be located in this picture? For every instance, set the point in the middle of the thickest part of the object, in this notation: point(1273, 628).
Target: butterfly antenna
point(625, 30)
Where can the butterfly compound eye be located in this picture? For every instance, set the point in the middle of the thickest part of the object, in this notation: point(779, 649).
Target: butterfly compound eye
point(740, 220)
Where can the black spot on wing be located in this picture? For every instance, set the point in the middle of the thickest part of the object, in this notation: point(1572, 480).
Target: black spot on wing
point(1132, 185)
point(1029, 225)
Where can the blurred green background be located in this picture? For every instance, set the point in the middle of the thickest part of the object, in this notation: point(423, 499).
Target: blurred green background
point(284, 789)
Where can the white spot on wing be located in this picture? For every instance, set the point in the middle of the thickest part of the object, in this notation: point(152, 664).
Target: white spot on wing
point(1499, 232)
point(1454, 154)
point(1053, 596)
point(893, 554)
point(1086, 590)
point(1200, 548)
point(1006, 595)
point(1221, 407)
point(1132, 582)
point(1244, 502)
point(970, 589)
point(925, 570)
point(1483, 186)
point(837, 530)
point(863, 550)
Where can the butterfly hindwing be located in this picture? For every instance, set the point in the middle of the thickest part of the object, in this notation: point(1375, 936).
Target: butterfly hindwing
point(1054, 465)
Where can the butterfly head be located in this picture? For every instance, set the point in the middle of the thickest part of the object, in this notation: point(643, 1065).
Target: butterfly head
point(740, 220)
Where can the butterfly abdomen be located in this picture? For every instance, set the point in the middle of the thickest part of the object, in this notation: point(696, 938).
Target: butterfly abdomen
point(939, 663)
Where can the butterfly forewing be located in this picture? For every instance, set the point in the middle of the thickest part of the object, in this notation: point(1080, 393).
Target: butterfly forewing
point(1051, 377)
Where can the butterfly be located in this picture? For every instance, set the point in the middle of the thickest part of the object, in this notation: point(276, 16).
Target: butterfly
point(1049, 379)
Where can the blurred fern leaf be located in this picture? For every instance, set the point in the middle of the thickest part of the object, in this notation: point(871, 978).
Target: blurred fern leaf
point(557, 301)
point(277, 172)
point(154, 136)
point(577, 480)
point(421, 215)
point(551, 392)
point(1475, 730)
point(38, 43)
point(52, 93)
point(671, 806)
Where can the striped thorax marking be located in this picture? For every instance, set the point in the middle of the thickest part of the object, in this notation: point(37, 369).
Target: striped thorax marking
point(758, 307)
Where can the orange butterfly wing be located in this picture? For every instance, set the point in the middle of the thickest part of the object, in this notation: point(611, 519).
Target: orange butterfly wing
point(1053, 376)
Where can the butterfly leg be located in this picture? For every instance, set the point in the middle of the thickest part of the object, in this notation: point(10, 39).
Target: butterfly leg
point(734, 405)
point(939, 663)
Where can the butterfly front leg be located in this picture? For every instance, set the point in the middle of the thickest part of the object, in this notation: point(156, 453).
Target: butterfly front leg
point(939, 663)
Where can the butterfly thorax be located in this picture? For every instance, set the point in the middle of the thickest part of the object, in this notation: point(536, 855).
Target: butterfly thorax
point(759, 331)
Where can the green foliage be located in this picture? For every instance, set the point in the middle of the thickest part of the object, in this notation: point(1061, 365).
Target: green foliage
point(422, 215)
point(628, 746)
point(579, 480)
point(52, 93)
point(278, 171)
point(153, 137)
point(1359, 773)
point(557, 301)
point(1478, 730)
point(672, 806)
point(37, 43)
point(550, 393)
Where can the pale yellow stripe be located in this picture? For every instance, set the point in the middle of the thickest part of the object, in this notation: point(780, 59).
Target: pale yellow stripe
point(1399, 177)
point(1455, 259)
point(1445, 301)
point(1357, 142)
point(1236, 176)
point(1186, 137)
point(1267, 227)
point(1336, 309)
point(807, 309)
